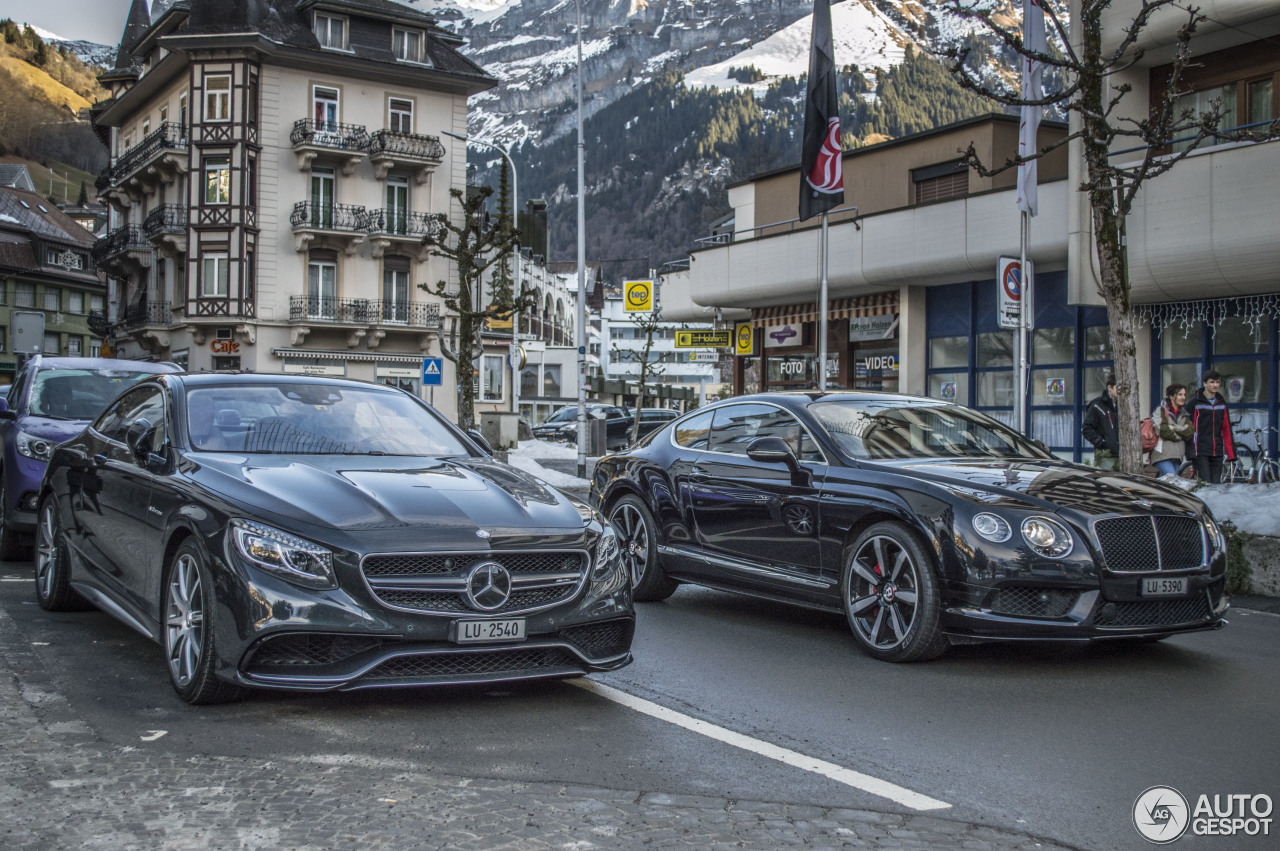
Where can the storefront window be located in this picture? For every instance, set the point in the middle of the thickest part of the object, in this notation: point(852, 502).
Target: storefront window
point(876, 369)
point(950, 386)
point(1245, 382)
point(995, 390)
point(1053, 386)
point(1234, 336)
point(995, 349)
point(948, 351)
point(1178, 342)
point(529, 381)
point(1097, 342)
point(551, 380)
point(1053, 345)
point(797, 370)
point(1055, 428)
point(492, 370)
point(1095, 381)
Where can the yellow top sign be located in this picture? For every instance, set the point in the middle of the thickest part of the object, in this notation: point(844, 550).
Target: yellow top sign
point(703, 339)
point(638, 296)
point(744, 339)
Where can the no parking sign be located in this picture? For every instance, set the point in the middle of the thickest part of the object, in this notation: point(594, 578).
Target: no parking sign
point(1011, 292)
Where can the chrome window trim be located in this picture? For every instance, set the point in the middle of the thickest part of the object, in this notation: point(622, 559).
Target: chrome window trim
point(671, 435)
point(1204, 542)
point(453, 585)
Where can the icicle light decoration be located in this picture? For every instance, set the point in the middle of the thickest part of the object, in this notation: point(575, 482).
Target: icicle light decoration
point(1188, 315)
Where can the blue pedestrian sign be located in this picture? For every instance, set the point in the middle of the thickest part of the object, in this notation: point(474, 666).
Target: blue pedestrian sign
point(432, 371)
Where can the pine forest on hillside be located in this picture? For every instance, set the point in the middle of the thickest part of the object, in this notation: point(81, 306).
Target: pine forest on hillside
point(43, 87)
point(658, 160)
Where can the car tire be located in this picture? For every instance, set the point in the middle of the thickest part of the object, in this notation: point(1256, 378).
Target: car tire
point(53, 565)
point(638, 541)
point(12, 546)
point(891, 596)
point(189, 630)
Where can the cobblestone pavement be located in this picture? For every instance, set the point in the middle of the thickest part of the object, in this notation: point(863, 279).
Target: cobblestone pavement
point(63, 787)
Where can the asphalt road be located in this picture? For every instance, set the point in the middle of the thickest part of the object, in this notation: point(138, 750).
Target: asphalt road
point(1051, 742)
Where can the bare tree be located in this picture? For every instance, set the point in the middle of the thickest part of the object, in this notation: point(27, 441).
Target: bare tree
point(1085, 68)
point(473, 247)
point(649, 324)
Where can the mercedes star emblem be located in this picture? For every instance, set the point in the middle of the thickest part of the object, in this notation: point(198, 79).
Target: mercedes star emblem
point(482, 533)
point(488, 586)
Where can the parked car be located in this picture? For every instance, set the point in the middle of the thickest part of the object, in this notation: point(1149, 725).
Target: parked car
point(317, 534)
point(923, 522)
point(652, 419)
point(51, 399)
point(562, 426)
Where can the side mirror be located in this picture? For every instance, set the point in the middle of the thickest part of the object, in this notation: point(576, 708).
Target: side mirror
point(140, 438)
point(4, 405)
point(480, 441)
point(771, 450)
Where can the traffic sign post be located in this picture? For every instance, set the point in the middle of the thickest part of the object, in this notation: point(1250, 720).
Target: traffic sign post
point(432, 372)
point(1011, 289)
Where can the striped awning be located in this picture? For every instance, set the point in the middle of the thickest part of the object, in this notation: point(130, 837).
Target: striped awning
point(841, 308)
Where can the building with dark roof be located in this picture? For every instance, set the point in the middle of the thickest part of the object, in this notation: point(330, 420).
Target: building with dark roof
point(276, 165)
point(45, 267)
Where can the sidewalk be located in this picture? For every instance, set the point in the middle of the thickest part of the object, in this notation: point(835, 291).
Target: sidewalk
point(1256, 602)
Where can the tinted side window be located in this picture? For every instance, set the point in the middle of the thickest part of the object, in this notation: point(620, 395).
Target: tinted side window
point(143, 403)
point(737, 426)
point(695, 431)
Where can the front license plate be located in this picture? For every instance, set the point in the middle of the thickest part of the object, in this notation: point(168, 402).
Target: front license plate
point(479, 632)
point(1164, 587)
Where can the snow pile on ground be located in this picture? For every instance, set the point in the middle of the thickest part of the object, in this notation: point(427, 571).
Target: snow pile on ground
point(1250, 508)
point(543, 450)
point(552, 477)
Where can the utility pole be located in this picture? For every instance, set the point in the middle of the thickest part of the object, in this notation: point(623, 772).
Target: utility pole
point(582, 274)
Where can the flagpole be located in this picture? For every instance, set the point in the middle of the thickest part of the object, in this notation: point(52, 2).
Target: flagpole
point(822, 311)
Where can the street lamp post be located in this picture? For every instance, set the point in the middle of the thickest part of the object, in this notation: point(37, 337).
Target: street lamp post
point(515, 317)
point(582, 275)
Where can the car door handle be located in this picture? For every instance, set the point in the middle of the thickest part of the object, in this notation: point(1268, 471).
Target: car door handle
point(99, 460)
point(698, 474)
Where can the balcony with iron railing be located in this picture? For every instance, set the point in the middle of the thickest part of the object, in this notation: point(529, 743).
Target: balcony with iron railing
point(145, 314)
point(166, 228)
point(547, 330)
point(401, 229)
point(161, 157)
point(341, 226)
point(363, 311)
point(324, 139)
point(389, 149)
point(122, 252)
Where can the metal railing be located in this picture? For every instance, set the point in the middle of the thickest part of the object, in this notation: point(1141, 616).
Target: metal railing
point(329, 134)
point(147, 313)
point(365, 311)
point(166, 218)
point(169, 136)
point(120, 240)
point(315, 215)
point(402, 223)
point(409, 145)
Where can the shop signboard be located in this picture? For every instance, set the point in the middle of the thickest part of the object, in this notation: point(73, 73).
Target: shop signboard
point(638, 296)
point(744, 339)
point(703, 339)
point(882, 327)
point(783, 336)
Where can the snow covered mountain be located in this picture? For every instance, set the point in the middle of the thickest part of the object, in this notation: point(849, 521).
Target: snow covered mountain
point(90, 53)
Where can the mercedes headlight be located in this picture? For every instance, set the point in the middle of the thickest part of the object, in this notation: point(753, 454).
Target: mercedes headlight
point(992, 527)
point(1047, 537)
point(606, 553)
point(34, 447)
point(287, 556)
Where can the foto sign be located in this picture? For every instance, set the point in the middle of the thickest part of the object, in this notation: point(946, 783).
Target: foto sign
point(432, 372)
point(704, 339)
point(1010, 288)
point(744, 339)
point(638, 296)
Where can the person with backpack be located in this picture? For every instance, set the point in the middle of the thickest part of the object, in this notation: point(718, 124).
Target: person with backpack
point(1099, 426)
point(1211, 435)
point(1172, 419)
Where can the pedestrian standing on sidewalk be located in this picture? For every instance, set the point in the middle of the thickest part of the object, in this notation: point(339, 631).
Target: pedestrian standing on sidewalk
point(1173, 423)
point(1212, 429)
point(1099, 427)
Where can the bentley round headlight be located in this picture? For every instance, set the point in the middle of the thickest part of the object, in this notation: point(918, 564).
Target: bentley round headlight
point(1047, 537)
point(992, 527)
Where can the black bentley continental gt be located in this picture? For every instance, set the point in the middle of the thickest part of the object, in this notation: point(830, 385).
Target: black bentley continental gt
point(320, 534)
point(925, 523)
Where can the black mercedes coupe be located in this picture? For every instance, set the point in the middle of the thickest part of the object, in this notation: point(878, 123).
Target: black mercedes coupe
point(925, 523)
point(318, 534)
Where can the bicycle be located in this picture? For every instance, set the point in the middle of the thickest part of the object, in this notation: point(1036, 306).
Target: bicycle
point(1262, 469)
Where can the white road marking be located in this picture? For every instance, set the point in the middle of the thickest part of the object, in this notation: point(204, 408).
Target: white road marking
point(152, 735)
point(848, 777)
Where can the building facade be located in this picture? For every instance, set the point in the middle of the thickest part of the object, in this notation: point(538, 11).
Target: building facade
point(45, 268)
point(275, 171)
point(914, 280)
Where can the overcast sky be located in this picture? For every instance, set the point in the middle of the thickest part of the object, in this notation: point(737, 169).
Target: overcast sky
point(93, 20)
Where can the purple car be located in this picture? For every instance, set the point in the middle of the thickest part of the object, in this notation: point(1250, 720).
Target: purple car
point(51, 400)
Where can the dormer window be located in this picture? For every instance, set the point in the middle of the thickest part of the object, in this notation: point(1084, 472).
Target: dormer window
point(331, 31)
point(406, 44)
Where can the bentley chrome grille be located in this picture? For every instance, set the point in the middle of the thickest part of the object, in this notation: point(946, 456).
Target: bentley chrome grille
point(487, 583)
point(1145, 543)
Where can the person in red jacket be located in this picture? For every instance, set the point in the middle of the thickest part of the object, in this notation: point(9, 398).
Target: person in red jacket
point(1212, 441)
